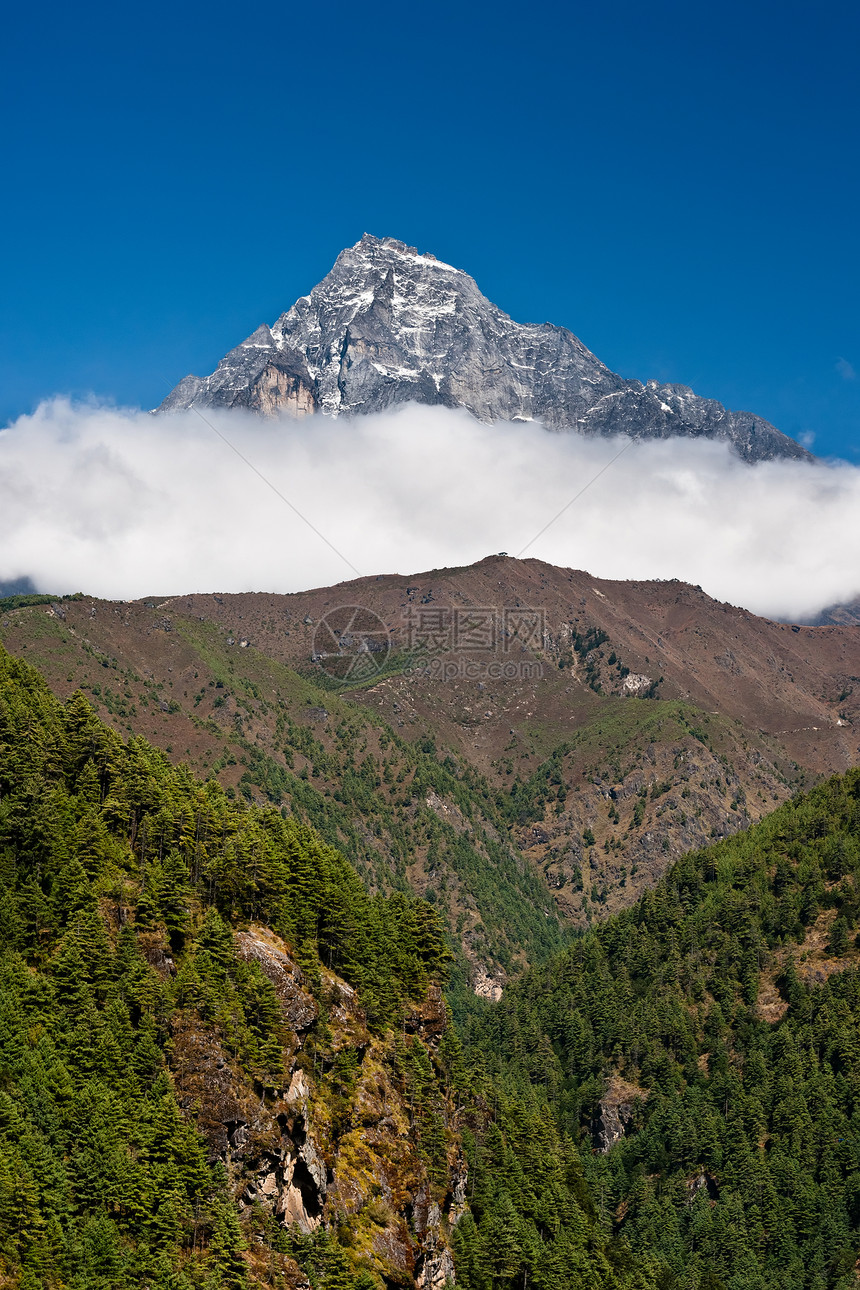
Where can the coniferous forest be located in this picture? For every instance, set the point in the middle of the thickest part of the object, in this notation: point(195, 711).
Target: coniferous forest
point(187, 982)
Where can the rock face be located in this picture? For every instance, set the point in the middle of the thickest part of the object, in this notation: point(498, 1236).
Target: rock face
point(314, 1153)
point(616, 1113)
point(261, 945)
point(389, 326)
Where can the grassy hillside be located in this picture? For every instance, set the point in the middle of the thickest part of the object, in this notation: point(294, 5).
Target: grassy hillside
point(408, 817)
point(223, 1063)
point(414, 780)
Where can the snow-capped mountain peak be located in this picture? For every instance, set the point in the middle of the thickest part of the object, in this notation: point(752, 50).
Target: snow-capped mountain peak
point(390, 324)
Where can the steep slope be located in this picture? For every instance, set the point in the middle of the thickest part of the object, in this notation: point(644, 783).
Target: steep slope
point(704, 1044)
point(389, 326)
point(223, 1064)
point(406, 820)
point(423, 769)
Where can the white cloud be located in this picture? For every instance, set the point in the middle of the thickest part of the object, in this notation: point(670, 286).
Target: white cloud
point(846, 369)
point(123, 504)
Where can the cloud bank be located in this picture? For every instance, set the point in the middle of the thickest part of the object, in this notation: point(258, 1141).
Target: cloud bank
point(122, 504)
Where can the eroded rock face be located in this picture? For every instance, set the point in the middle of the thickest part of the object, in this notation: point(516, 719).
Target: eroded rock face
point(701, 1182)
point(390, 326)
point(613, 1121)
point(291, 1190)
point(486, 986)
point(266, 1141)
point(616, 1113)
point(275, 391)
point(435, 1268)
point(430, 1019)
point(459, 1182)
point(210, 1082)
point(156, 951)
point(287, 1173)
point(297, 1005)
point(310, 1159)
point(347, 1014)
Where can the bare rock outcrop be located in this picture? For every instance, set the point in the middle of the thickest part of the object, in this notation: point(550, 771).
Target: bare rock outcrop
point(616, 1112)
point(297, 1005)
point(326, 1150)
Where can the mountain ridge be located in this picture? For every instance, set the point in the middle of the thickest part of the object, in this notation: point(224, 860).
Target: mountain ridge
point(388, 326)
point(517, 803)
point(227, 1065)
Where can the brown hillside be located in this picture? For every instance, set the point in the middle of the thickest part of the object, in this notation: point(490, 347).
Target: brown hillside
point(739, 710)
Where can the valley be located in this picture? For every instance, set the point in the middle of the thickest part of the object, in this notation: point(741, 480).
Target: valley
point(252, 1061)
point(556, 792)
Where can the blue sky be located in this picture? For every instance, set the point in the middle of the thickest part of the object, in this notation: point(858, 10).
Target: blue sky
point(676, 183)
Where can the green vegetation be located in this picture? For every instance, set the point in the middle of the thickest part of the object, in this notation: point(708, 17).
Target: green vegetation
point(741, 1165)
point(366, 791)
point(122, 881)
point(24, 599)
point(671, 1101)
point(393, 810)
point(612, 743)
point(103, 1181)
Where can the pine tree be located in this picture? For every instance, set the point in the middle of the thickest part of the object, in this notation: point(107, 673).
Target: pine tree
point(226, 1244)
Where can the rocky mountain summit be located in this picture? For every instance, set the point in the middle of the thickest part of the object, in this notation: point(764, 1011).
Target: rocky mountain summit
point(388, 325)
